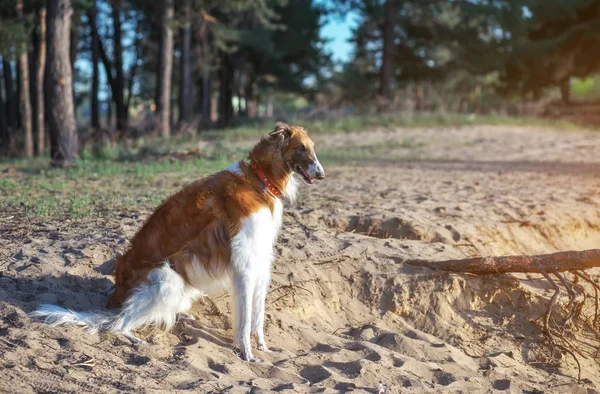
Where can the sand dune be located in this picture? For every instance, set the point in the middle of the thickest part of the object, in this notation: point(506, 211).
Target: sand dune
point(344, 313)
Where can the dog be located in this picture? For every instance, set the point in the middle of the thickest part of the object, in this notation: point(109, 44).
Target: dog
point(216, 233)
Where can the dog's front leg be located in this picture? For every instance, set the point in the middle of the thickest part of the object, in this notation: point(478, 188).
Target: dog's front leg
point(242, 298)
point(258, 310)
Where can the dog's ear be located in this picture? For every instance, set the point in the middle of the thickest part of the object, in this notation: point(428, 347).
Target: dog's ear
point(282, 132)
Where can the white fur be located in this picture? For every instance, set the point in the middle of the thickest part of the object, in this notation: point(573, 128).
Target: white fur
point(204, 282)
point(235, 168)
point(55, 316)
point(155, 302)
point(291, 189)
point(314, 168)
point(252, 255)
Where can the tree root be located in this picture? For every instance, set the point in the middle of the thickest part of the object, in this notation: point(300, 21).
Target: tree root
point(553, 268)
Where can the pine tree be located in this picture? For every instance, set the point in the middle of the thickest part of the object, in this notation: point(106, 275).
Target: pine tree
point(166, 68)
point(61, 120)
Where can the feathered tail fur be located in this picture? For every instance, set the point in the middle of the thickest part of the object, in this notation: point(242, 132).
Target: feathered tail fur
point(155, 302)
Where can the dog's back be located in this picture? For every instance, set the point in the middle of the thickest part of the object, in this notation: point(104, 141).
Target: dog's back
point(192, 227)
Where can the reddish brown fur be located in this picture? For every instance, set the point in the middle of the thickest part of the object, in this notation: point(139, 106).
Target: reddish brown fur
point(201, 219)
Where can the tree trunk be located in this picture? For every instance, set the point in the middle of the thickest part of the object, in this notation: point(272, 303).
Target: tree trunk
point(206, 100)
point(24, 97)
point(109, 112)
point(251, 106)
point(74, 40)
point(18, 96)
point(40, 67)
point(565, 91)
point(11, 100)
point(166, 69)
point(119, 81)
point(134, 67)
point(387, 63)
point(73, 50)
point(4, 137)
point(92, 16)
point(61, 114)
point(418, 96)
point(157, 97)
point(185, 77)
point(225, 91)
point(95, 69)
point(206, 81)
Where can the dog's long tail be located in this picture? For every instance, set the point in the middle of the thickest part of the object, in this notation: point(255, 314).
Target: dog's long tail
point(56, 316)
point(155, 302)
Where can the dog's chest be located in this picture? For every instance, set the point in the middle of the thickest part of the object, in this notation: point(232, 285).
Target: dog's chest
point(259, 230)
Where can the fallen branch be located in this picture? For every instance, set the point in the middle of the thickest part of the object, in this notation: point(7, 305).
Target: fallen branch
point(561, 261)
point(548, 265)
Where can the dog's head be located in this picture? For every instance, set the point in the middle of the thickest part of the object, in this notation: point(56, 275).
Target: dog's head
point(298, 152)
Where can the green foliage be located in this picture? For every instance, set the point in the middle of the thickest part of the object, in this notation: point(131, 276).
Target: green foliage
point(558, 41)
point(526, 45)
point(586, 88)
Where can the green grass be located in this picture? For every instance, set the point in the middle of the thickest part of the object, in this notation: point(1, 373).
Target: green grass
point(351, 124)
point(139, 177)
point(95, 186)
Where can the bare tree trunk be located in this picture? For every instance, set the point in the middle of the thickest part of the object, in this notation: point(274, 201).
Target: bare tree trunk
point(206, 80)
point(119, 81)
point(74, 40)
point(24, 97)
point(387, 63)
point(225, 91)
point(95, 68)
point(158, 80)
point(419, 96)
point(207, 107)
point(565, 91)
point(40, 67)
point(134, 67)
point(109, 113)
point(11, 100)
point(4, 137)
point(166, 69)
point(61, 119)
point(251, 105)
point(185, 77)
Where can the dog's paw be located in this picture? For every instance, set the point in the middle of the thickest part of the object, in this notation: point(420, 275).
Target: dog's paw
point(263, 348)
point(185, 317)
point(134, 340)
point(247, 356)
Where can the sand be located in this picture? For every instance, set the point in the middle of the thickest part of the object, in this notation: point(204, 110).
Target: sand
point(344, 312)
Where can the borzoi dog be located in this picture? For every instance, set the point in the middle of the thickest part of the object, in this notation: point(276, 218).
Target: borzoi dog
point(216, 233)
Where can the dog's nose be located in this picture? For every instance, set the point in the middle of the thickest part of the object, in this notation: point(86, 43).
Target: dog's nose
point(320, 173)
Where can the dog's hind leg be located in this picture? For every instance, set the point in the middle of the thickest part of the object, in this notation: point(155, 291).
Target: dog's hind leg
point(154, 302)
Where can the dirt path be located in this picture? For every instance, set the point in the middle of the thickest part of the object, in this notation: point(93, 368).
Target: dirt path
point(343, 311)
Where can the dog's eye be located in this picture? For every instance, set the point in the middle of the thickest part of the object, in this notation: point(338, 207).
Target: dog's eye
point(301, 148)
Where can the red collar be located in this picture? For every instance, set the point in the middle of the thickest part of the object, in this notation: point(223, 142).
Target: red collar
point(264, 179)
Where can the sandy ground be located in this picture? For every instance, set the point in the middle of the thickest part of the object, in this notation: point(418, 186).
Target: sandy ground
point(344, 311)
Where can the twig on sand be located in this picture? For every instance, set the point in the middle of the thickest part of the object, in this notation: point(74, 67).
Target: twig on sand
point(290, 289)
point(87, 363)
